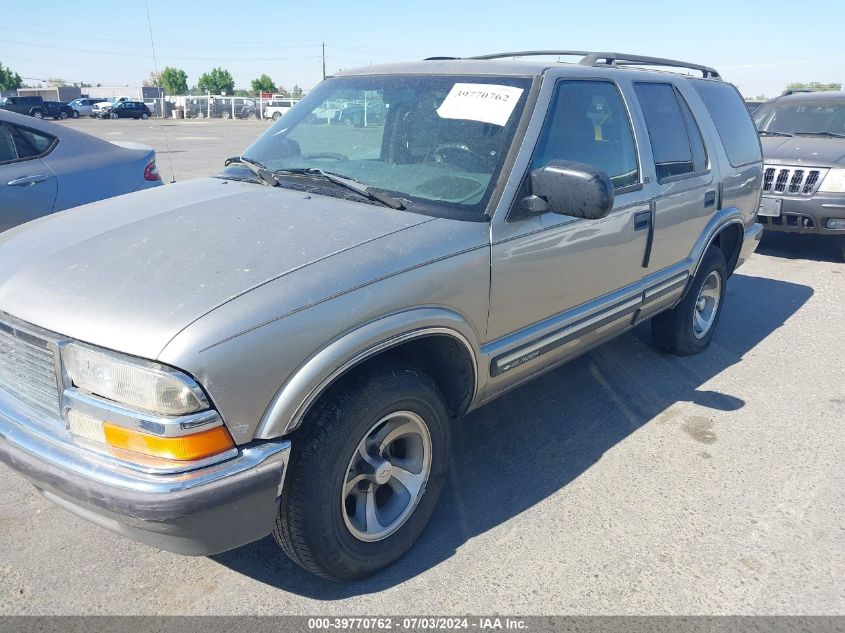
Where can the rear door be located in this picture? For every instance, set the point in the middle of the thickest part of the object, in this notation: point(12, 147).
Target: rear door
point(27, 186)
point(686, 192)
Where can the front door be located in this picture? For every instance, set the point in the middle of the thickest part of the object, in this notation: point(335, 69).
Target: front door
point(550, 271)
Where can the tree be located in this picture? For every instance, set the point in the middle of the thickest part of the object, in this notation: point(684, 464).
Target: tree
point(814, 85)
point(153, 80)
point(217, 81)
point(8, 79)
point(263, 84)
point(174, 81)
point(296, 92)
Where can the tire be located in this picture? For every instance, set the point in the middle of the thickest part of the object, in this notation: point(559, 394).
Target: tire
point(277, 116)
point(114, 115)
point(63, 115)
point(325, 531)
point(145, 116)
point(689, 327)
point(37, 114)
point(76, 114)
point(226, 114)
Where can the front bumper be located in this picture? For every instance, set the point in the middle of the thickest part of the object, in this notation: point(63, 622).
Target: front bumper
point(807, 215)
point(198, 512)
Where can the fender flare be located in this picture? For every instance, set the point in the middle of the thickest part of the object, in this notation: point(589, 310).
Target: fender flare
point(725, 218)
point(304, 386)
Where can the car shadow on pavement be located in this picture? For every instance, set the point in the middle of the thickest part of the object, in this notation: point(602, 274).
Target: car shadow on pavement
point(541, 436)
point(818, 248)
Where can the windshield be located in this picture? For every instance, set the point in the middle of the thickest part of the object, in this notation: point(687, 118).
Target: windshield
point(801, 117)
point(427, 139)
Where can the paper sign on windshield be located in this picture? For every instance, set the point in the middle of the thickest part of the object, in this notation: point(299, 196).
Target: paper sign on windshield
point(487, 103)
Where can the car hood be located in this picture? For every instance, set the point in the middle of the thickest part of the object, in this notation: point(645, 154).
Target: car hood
point(812, 151)
point(131, 272)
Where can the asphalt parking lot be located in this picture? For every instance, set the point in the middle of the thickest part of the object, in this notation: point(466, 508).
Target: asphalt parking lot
point(627, 482)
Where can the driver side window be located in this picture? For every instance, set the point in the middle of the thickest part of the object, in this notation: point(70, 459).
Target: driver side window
point(588, 123)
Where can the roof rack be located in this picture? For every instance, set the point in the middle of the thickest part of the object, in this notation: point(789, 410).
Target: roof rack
point(611, 59)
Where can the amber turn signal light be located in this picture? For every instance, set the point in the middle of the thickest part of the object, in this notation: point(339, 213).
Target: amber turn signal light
point(185, 448)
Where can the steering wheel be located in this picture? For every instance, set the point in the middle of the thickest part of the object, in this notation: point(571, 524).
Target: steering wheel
point(325, 156)
point(458, 155)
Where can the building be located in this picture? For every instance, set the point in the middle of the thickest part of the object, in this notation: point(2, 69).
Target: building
point(55, 93)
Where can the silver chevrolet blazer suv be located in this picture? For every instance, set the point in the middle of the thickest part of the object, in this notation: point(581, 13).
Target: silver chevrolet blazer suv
point(282, 348)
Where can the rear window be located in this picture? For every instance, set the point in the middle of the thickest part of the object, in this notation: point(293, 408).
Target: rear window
point(732, 120)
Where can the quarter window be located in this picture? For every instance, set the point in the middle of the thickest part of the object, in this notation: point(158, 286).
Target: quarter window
point(7, 146)
point(30, 143)
point(589, 124)
point(676, 141)
point(732, 120)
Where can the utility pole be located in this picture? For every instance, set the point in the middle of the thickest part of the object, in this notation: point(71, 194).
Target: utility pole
point(324, 60)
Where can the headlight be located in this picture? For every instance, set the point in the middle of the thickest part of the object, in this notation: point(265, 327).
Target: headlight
point(834, 182)
point(135, 383)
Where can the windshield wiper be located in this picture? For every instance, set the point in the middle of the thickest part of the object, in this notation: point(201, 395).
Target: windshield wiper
point(821, 133)
point(770, 133)
point(360, 188)
point(266, 177)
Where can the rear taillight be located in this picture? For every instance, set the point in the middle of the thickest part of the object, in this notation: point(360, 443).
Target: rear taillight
point(151, 172)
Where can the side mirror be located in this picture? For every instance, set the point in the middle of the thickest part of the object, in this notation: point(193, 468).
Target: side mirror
point(572, 188)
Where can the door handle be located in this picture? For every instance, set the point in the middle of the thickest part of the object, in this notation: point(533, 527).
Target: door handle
point(27, 181)
point(642, 220)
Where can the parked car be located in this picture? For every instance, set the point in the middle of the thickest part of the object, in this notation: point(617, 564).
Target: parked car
point(32, 106)
point(244, 108)
point(359, 116)
point(803, 136)
point(99, 108)
point(57, 110)
point(283, 348)
point(127, 110)
point(84, 107)
point(277, 108)
point(46, 168)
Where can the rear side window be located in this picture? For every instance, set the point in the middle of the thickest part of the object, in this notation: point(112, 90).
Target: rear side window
point(30, 143)
point(732, 121)
point(676, 141)
point(7, 146)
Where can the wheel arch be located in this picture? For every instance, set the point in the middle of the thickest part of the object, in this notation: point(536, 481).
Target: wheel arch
point(438, 341)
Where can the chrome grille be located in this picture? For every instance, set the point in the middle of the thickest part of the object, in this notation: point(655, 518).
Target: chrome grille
point(28, 371)
point(794, 181)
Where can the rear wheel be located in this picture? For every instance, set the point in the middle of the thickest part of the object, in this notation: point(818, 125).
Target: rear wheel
point(145, 116)
point(277, 116)
point(226, 114)
point(38, 114)
point(688, 328)
point(367, 473)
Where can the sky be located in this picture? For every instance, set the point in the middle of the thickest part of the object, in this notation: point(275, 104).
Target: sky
point(759, 46)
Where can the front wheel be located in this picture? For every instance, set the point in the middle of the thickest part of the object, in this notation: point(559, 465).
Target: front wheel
point(365, 479)
point(63, 115)
point(277, 116)
point(38, 114)
point(76, 114)
point(114, 115)
point(688, 328)
point(145, 116)
point(226, 114)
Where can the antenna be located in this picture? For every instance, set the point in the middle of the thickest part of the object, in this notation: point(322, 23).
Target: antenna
point(155, 68)
point(324, 60)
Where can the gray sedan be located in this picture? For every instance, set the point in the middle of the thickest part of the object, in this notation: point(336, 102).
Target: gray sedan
point(46, 168)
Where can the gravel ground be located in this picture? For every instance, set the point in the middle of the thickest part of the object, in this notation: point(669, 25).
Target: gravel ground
point(627, 482)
